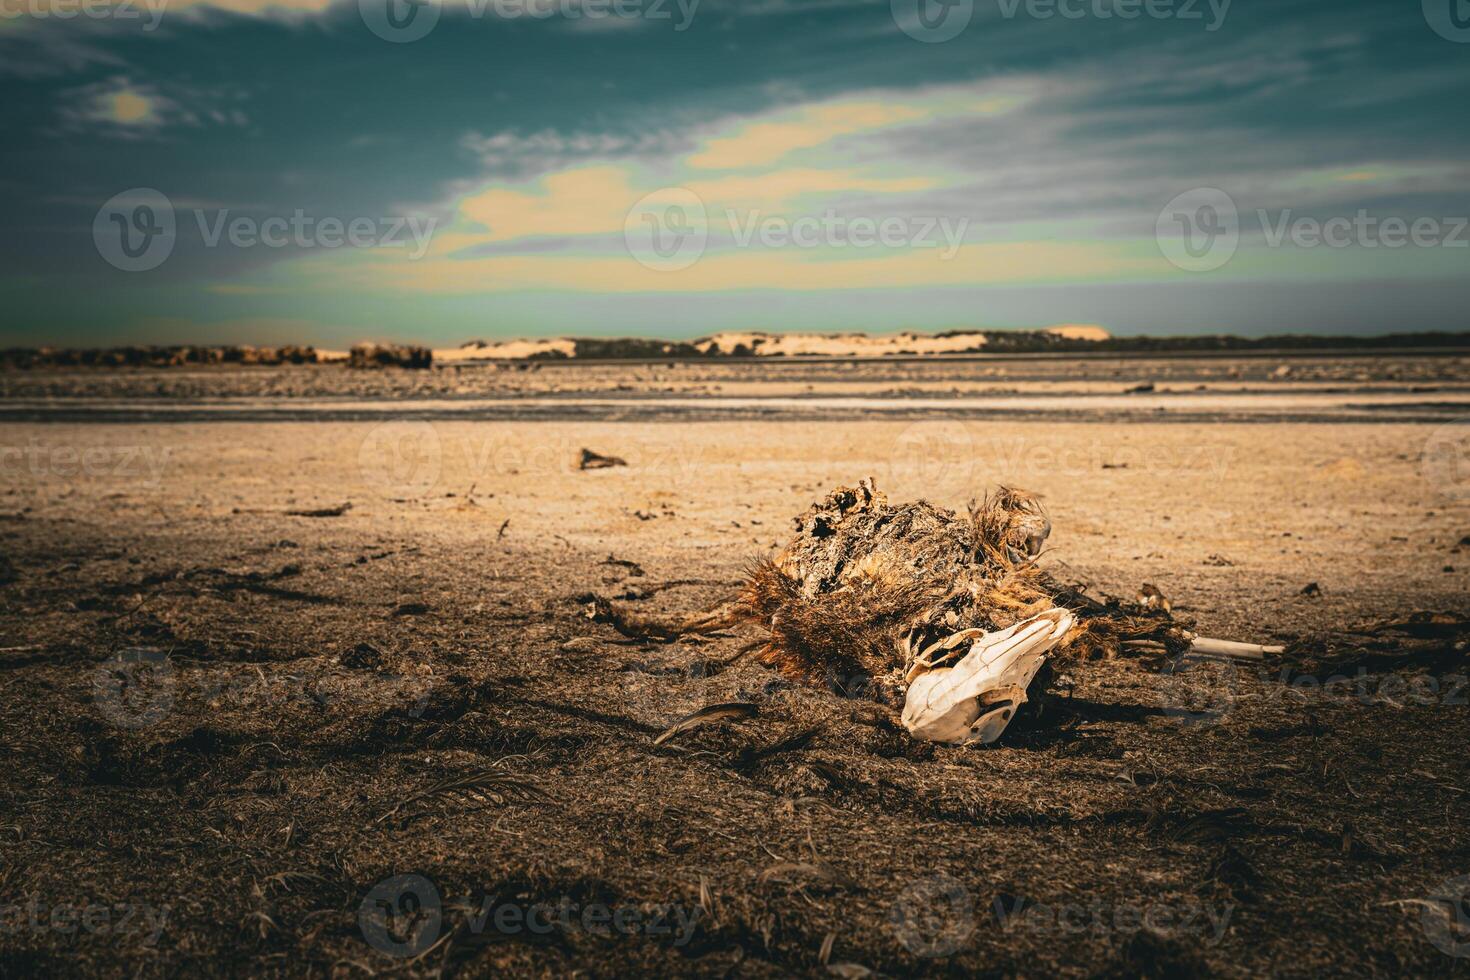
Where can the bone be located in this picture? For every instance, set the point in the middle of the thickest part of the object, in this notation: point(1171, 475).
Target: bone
point(953, 704)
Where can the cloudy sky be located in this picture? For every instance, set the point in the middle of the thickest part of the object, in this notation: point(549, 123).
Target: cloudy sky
point(333, 170)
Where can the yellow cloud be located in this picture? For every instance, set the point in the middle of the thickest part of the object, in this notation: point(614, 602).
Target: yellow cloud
point(129, 107)
point(583, 201)
point(760, 144)
point(767, 140)
point(596, 200)
point(793, 269)
point(739, 170)
point(781, 188)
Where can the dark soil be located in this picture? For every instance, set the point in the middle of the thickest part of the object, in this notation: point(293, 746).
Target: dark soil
point(315, 719)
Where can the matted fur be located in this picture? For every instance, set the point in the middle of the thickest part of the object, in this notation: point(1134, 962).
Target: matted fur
point(865, 586)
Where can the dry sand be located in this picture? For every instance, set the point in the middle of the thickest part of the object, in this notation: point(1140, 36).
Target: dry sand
point(324, 672)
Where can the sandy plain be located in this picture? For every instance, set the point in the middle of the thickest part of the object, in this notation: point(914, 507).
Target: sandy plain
point(244, 711)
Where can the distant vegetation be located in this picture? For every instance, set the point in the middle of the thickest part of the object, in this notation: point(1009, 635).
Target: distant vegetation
point(635, 348)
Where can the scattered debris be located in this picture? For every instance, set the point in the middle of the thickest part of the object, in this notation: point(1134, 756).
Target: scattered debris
point(731, 711)
point(337, 511)
point(597, 461)
point(640, 626)
point(819, 870)
point(634, 569)
point(364, 656)
point(492, 786)
point(1149, 597)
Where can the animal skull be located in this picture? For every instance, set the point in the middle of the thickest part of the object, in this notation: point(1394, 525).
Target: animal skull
point(975, 699)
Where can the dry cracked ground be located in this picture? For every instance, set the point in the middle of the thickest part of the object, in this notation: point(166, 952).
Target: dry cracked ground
point(248, 728)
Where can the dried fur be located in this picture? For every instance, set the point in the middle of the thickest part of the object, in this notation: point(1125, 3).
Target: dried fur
point(864, 586)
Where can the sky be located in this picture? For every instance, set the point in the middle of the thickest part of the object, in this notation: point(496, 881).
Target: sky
point(329, 171)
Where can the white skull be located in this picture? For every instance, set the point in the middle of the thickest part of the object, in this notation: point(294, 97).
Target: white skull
point(974, 700)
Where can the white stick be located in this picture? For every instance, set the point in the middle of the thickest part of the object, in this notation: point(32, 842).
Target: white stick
point(1205, 646)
